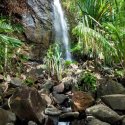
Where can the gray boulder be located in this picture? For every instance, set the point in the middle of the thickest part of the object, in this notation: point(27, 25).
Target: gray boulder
point(94, 121)
point(123, 121)
point(31, 123)
point(69, 115)
point(109, 87)
point(6, 117)
point(10, 124)
point(16, 82)
point(60, 98)
point(103, 113)
point(115, 101)
point(59, 88)
point(78, 122)
point(52, 111)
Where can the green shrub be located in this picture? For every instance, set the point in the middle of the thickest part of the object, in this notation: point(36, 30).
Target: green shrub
point(53, 61)
point(7, 44)
point(87, 82)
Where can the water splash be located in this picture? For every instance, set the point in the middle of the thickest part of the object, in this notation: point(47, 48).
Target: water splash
point(61, 29)
point(63, 123)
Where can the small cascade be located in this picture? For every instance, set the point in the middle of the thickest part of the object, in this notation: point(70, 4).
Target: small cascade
point(61, 29)
point(63, 123)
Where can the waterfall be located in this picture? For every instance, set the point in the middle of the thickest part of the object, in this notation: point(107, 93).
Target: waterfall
point(61, 29)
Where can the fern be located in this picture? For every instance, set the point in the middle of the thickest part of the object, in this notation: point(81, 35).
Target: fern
point(7, 43)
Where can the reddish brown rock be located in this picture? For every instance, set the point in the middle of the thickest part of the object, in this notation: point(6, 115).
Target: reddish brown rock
point(81, 101)
point(27, 104)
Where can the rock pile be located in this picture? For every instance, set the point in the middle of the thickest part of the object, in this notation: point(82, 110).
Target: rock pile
point(23, 105)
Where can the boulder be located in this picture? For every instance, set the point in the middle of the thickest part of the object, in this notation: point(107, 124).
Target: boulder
point(16, 82)
point(81, 101)
point(47, 98)
point(6, 117)
point(103, 113)
point(60, 98)
point(94, 121)
point(31, 123)
point(51, 120)
point(27, 104)
point(78, 122)
point(47, 87)
point(52, 111)
point(69, 115)
point(115, 101)
point(10, 124)
point(109, 87)
point(123, 121)
point(59, 88)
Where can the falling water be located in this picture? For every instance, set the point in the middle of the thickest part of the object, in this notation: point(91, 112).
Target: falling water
point(63, 123)
point(61, 29)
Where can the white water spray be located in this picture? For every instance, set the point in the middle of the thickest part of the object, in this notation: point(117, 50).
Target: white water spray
point(63, 123)
point(61, 29)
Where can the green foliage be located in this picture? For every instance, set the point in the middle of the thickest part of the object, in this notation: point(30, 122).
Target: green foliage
point(67, 63)
point(100, 28)
point(54, 61)
point(7, 44)
point(119, 73)
point(29, 81)
point(88, 82)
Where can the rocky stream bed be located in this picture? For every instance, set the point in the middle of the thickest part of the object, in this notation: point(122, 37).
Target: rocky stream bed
point(49, 102)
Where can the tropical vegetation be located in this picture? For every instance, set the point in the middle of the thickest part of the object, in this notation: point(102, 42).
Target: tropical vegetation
point(99, 29)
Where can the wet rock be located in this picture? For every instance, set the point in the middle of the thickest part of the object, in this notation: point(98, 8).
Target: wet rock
point(31, 123)
point(109, 87)
point(16, 82)
point(27, 104)
point(78, 122)
point(10, 124)
point(123, 121)
point(58, 88)
point(103, 113)
point(115, 101)
point(69, 115)
point(6, 117)
point(47, 99)
point(52, 111)
point(81, 101)
point(38, 25)
point(67, 87)
point(51, 120)
point(94, 121)
point(47, 87)
point(36, 17)
point(60, 98)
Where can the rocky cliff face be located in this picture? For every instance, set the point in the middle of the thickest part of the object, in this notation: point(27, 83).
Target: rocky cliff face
point(38, 25)
point(36, 16)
